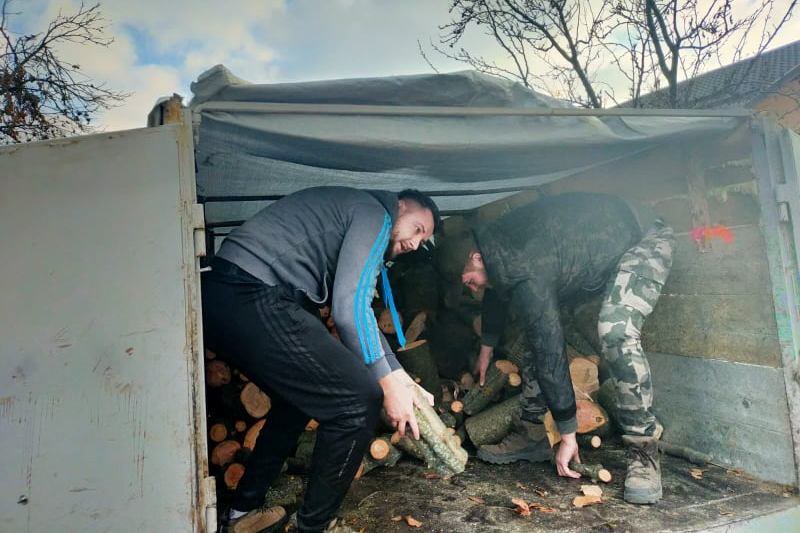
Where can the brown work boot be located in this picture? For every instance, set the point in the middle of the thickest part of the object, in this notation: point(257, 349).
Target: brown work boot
point(261, 519)
point(643, 480)
point(526, 442)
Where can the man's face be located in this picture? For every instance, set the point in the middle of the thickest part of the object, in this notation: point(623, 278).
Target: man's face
point(474, 275)
point(414, 225)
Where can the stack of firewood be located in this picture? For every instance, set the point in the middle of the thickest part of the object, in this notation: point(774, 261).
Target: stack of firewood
point(483, 414)
point(464, 413)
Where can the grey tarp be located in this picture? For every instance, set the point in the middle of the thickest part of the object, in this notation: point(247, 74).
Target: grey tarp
point(247, 147)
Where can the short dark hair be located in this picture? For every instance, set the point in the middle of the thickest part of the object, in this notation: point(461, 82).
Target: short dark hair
point(425, 201)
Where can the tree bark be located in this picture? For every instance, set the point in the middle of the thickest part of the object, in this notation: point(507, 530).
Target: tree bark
point(417, 360)
point(477, 399)
point(491, 425)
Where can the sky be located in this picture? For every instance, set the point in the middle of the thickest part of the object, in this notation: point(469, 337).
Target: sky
point(160, 47)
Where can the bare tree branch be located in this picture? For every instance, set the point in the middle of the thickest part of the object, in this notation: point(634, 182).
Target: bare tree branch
point(44, 96)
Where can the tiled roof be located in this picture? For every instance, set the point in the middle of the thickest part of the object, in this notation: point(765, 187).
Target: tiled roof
point(740, 84)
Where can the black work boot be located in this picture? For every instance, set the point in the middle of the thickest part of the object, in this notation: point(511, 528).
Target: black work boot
point(526, 442)
point(643, 480)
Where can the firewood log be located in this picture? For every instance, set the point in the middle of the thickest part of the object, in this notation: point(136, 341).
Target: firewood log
point(218, 432)
point(381, 453)
point(255, 402)
point(416, 327)
point(589, 441)
point(417, 360)
point(596, 472)
point(252, 434)
point(435, 434)
point(491, 425)
point(224, 452)
point(590, 416)
point(233, 474)
point(479, 398)
point(218, 373)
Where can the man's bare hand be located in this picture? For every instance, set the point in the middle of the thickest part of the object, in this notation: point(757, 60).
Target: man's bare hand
point(567, 451)
point(399, 398)
point(484, 358)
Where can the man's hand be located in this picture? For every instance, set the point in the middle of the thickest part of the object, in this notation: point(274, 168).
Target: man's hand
point(567, 451)
point(399, 398)
point(484, 358)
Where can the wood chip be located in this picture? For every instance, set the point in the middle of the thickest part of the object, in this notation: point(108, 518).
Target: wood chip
point(521, 486)
point(522, 508)
point(431, 475)
point(541, 492)
point(697, 473)
point(397, 518)
point(541, 508)
point(476, 499)
point(412, 522)
point(592, 490)
point(583, 501)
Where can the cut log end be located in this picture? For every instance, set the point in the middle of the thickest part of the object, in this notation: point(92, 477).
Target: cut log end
point(252, 435)
point(457, 406)
point(595, 441)
point(506, 367)
point(604, 475)
point(218, 432)
point(218, 373)
point(514, 379)
point(395, 438)
point(233, 474)
point(467, 380)
point(240, 426)
point(312, 425)
point(379, 449)
point(224, 452)
point(255, 402)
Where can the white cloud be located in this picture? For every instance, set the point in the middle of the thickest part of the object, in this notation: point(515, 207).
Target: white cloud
point(263, 41)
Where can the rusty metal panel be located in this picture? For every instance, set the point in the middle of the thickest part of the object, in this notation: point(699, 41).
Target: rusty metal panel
point(99, 326)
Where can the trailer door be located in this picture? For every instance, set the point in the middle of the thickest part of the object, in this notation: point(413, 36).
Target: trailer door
point(99, 327)
point(776, 162)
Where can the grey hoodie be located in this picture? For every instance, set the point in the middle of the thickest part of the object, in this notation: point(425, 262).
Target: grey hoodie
point(317, 237)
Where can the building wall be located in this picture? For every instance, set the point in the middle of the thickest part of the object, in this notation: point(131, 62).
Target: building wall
point(784, 107)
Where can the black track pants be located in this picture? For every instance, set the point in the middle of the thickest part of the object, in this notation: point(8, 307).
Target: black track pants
point(289, 354)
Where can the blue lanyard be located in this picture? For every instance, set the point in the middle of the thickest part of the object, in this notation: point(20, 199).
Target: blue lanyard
point(388, 299)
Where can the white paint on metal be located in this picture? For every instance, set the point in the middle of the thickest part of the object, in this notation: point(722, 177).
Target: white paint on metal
point(99, 328)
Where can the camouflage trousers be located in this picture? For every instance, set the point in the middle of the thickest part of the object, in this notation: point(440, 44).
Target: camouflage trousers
point(629, 299)
point(630, 295)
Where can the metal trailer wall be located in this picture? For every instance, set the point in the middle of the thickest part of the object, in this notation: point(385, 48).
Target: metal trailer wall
point(101, 397)
point(716, 339)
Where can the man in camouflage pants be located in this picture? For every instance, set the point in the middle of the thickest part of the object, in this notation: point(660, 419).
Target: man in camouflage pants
point(549, 253)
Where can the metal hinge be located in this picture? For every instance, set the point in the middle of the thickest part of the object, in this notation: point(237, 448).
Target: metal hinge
point(199, 227)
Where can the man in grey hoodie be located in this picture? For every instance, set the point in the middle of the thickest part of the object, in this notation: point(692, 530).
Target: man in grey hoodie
point(316, 246)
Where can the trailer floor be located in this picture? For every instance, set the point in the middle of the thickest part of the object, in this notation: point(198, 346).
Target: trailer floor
point(720, 497)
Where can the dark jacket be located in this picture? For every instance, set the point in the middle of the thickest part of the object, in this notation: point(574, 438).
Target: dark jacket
point(326, 242)
point(542, 255)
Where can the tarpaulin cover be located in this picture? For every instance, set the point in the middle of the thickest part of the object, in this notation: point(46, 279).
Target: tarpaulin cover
point(464, 160)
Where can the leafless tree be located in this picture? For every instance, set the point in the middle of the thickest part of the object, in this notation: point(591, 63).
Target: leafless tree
point(579, 50)
point(43, 95)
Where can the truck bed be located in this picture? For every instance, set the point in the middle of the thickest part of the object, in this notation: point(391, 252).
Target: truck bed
point(719, 499)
